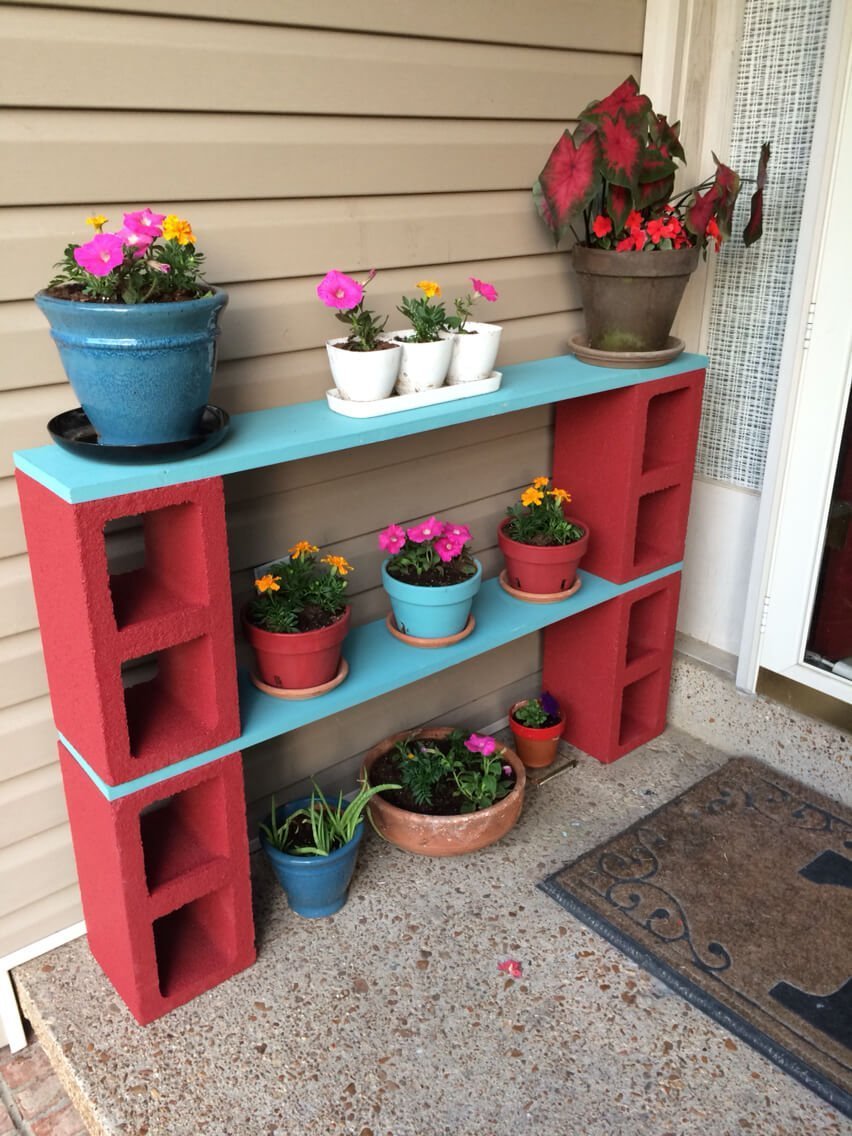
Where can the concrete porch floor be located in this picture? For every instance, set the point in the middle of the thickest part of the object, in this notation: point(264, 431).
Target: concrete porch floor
point(392, 1019)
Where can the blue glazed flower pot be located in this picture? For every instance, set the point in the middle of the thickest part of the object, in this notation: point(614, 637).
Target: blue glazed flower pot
point(431, 613)
point(142, 372)
point(315, 885)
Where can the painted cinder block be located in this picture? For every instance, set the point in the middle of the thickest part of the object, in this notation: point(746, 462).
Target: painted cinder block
point(610, 669)
point(174, 607)
point(627, 458)
point(164, 880)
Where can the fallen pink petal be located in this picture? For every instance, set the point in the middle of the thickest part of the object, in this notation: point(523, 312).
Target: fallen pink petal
point(511, 967)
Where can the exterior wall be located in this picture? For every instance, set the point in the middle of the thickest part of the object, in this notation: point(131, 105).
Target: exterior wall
point(399, 137)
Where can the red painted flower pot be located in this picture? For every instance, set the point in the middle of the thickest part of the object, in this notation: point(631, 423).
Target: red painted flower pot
point(537, 748)
point(542, 569)
point(300, 660)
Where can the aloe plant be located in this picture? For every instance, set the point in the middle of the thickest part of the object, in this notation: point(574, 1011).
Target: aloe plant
point(619, 164)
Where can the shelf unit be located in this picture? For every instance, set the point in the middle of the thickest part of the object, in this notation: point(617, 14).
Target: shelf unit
point(153, 771)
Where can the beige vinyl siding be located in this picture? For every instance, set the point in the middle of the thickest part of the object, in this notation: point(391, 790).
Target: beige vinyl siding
point(296, 142)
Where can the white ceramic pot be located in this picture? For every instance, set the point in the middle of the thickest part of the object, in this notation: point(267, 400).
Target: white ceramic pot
point(363, 376)
point(424, 365)
point(474, 355)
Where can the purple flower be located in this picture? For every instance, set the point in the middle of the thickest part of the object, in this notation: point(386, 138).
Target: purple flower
point(508, 771)
point(427, 530)
point(144, 222)
point(337, 290)
point(447, 548)
point(549, 705)
point(392, 538)
point(101, 254)
point(481, 743)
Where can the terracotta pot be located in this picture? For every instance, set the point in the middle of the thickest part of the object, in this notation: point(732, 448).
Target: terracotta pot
point(299, 660)
point(630, 299)
point(537, 747)
point(542, 569)
point(443, 835)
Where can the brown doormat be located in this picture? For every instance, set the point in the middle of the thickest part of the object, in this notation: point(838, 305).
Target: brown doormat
point(738, 895)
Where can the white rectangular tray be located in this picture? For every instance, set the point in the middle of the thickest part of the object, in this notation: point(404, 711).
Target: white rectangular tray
point(398, 402)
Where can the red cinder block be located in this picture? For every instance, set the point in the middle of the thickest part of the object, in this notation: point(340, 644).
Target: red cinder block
point(164, 879)
point(610, 669)
point(92, 623)
point(627, 458)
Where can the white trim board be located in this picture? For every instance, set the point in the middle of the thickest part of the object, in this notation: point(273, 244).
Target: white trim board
point(10, 1012)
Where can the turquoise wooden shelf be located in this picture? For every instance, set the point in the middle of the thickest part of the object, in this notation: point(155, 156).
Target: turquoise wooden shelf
point(379, 663)
point(288, 433)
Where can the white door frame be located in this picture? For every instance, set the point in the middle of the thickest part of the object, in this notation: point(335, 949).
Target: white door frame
point(813, 388)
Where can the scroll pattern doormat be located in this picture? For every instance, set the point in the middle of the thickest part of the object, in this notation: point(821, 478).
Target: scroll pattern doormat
point(738, 895)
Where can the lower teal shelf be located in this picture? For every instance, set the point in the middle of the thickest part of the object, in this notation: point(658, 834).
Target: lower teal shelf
point(378, 664)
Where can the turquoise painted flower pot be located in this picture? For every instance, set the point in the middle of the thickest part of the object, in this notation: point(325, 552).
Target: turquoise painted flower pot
point(431, 613)
point(315, 885)
point(142, 372)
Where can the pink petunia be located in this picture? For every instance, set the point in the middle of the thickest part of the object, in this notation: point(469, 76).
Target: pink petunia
point(158, 266)
point(101, 254)
point(461, 533)
point(139, 242)
point(486, 291)
point(507, 771)
point(337, 290)
point(392, 538)
point(448, 548)
point(511, 967)
point(145, 222)
point(480, 743)
point(426, 530)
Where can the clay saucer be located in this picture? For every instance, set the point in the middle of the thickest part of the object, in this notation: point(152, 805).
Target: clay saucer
point(415, 641)
point(536, 597)
point(625, 360)
point(308, 692)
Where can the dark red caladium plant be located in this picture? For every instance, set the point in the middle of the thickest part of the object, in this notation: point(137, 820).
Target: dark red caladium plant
point(617, 172)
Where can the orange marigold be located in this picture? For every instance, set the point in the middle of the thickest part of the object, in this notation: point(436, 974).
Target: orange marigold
point(268, 583)
point(561, 495)
point(532, 496)
point(302, 548)
point(176, 229)
point(340, 563)
point(540, 482)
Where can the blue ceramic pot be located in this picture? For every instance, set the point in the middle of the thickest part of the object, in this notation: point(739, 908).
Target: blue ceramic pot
point(315, 885)
point(142, 372)
point(431, 613)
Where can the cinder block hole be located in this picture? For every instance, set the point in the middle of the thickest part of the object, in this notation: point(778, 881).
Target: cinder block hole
point(184, 832)
point(156, 563)
point(639, 710)
point(659, 538)
point(666, 434)
point(646, 626)
point(195, 943)
point(170, 700)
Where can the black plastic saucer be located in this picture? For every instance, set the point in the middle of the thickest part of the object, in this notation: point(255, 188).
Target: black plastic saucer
point(75, 433)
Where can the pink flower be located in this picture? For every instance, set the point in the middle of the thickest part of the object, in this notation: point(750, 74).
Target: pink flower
point(101, 254)
point(486, 291)
point(337, 290)
point(392, 538)
point(507, 771)
point(511, 967)
point(158, 266)
point(480, 743)
point(139, 242)
point(427, 530)
point(448, 548)
point(145, 222)
point(461, 533)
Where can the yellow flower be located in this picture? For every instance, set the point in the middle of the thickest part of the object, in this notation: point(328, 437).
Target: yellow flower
point(561, 495)
point(540, 482)
point(411, 756)
point(340, 563)
point(429, 288)
point(532, 496)
point(175, 229)
point(268, 583)
point(97, 222)
point(302, 548)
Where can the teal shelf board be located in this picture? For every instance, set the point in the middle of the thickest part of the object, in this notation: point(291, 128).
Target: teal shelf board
point(380, 663)
point(306, 429)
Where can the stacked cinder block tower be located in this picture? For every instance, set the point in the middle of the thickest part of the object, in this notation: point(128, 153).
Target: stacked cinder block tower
point(161, 850)
point(627, 456)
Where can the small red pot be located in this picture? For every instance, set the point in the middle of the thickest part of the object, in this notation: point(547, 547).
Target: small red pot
point(299, 660)
point(542, 569)
point(537, 748)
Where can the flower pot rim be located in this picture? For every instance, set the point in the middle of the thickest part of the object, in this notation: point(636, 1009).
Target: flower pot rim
point(474, 323)
point(300, 803)
point(535, 733)
point(338, 339)
point(444, 819)
point(434, 589)
point(540, 547)
point(304, 637)
point(525, 702)
point(216, 294)
point(645, 262)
